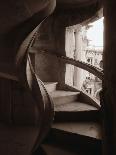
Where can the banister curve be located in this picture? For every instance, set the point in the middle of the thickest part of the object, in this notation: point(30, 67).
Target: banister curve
point(83, 65)
point(27, 77)
point(26, 109)
point(90, 68)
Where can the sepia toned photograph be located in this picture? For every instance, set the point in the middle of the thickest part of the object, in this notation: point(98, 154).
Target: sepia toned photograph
point(57, 77)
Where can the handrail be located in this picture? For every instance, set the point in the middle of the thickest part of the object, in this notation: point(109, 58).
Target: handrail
point(36, 88)
point(26, 107)
point(90, 68)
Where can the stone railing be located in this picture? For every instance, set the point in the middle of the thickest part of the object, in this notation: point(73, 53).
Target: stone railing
point(83, 65)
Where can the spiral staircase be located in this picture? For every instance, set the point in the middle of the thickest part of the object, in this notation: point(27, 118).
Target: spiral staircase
point(77, 120)
point(76, 125)
point(39, 117)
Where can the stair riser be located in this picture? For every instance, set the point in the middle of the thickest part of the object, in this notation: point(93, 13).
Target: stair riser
point(77, 116)
point(65, 99)
point(51, 87)
point(75, 140)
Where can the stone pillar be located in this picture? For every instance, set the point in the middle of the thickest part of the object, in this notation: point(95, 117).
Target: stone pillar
point(78, 50)
point(109, 83)
point(69, 48)
point(78, 73)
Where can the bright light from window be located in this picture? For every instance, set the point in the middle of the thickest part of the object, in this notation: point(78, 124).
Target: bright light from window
point(95, 33)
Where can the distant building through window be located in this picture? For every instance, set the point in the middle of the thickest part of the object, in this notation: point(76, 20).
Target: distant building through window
point(85, 43)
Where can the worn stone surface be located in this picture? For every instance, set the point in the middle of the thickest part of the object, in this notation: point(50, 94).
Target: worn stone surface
point(75, 107)
point(89, 129)
point(62, 97)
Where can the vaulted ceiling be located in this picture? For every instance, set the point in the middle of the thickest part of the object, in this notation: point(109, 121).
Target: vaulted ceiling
point(76, 11)
point(75, 3)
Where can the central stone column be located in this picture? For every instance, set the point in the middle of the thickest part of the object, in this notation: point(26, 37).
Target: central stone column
point(109, 83)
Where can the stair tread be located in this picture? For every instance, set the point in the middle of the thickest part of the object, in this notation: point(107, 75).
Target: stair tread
point(62, 93)
point(50, 86)
point(48, 83)
point(74, 107)
point(90, 129)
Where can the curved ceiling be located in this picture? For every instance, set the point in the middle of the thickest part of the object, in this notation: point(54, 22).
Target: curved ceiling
point(72, 12)
point(75, 3)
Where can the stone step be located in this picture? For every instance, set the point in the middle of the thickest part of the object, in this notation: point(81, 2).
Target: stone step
point(86, 135)
point(76, 111)
point(62, 97)
point(88, 129)
point(75, 106)
point(50, 86)
point(53, 148)
point(56, 150)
